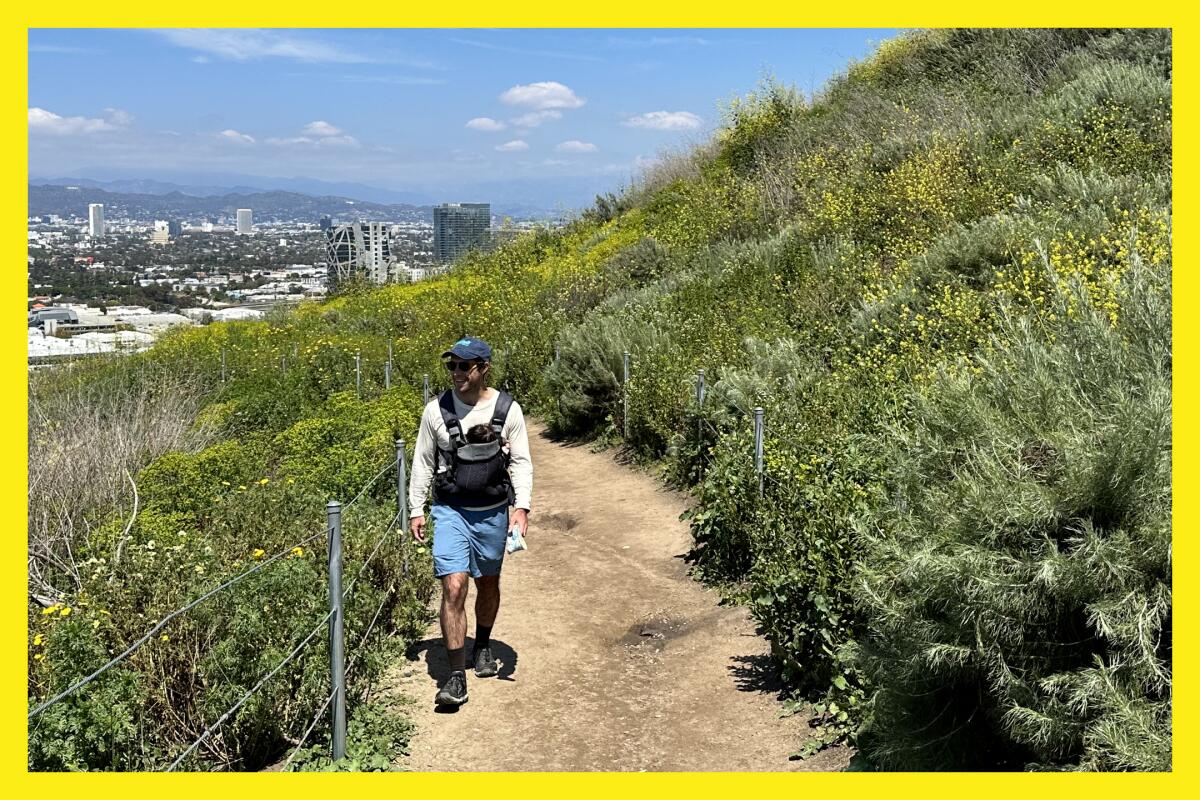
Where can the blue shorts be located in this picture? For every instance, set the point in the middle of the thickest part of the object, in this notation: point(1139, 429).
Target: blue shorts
point(468, 541)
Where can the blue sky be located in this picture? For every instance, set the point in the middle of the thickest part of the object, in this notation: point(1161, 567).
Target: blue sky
point(400, 109)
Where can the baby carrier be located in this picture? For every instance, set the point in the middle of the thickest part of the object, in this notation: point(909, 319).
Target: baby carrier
point(475, 475)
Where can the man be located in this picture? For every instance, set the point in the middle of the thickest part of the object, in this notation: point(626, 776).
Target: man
point(470, 513)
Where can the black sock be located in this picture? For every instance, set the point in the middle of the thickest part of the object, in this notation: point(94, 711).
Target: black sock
point(458, 659)
point(483, 637)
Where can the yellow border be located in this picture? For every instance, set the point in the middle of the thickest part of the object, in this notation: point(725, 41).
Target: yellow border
point(613, 13)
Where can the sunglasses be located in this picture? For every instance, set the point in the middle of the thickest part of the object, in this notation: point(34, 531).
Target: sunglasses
point(460, 366)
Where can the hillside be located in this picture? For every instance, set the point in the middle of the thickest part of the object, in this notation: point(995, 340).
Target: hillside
point(946, 282)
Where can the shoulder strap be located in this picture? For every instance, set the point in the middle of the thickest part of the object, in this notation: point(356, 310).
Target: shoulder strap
point(503, 404)
point(450, 417)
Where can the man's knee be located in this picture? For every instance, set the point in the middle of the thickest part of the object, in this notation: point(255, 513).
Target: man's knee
point(454, 589)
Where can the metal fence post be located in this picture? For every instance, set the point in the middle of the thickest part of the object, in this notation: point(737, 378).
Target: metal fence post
point(402, 499)
point(758, 446)
point(387, 369)
point(625, 392)
point(222, 365)
point(337, 655)
point(358, 373)
point(425, 389)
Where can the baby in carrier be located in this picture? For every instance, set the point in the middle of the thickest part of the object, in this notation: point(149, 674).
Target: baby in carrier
point(483, 461)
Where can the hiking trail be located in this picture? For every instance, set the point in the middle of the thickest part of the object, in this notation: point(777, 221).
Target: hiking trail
point(611, 657)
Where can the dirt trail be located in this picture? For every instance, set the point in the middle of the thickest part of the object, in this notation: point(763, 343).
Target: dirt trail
point(612, 658)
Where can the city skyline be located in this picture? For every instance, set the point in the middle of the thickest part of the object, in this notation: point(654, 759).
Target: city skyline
point(460, 111)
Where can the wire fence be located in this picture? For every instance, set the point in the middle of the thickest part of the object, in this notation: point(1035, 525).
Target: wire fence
point(333, 619)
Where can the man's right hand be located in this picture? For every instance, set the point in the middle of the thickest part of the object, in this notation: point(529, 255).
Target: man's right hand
point(417, 526)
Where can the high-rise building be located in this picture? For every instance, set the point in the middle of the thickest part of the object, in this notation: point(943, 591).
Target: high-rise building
point(360, 249)
point(326, 223)
point(95, 219)
point(458, 228)
point(165, 230)
point(245, 221)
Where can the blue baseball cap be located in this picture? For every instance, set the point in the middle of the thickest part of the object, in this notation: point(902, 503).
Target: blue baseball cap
point(470, 347)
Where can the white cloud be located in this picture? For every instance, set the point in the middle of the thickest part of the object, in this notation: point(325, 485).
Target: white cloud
point(247, 44)
point(545, 94)
point(118, 117)
point(535, 118)
point(665, 121)
point(234, 136)
point(321, 128)
point(576, 146)
point(485, 124)
point(43, 121)
point(324, 141)
point(318, 133)
point(339, 141)
point(511, 147)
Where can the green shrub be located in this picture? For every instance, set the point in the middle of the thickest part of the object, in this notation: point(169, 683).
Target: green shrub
point(1018, 587)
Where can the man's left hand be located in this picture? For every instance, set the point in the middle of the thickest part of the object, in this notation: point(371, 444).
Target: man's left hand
point(520, 520)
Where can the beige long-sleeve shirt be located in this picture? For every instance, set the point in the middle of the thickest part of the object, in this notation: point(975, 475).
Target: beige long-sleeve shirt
point(433, 433)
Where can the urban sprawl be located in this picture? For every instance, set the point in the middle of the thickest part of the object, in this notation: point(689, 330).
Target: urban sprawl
point(100, 286)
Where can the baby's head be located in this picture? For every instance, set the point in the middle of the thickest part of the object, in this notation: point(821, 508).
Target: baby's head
point(480, 434)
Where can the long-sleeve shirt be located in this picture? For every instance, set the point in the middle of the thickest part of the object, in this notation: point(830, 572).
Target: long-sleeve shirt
point(433, 433)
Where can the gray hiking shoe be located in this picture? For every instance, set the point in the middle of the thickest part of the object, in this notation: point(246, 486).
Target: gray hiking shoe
point(453, 691)
point(485, 664)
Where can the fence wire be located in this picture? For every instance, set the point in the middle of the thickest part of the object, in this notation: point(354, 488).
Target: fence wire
point(129, 650)
point(308, 732)
point(386, 468)
point(379, 544)
point(261, 682)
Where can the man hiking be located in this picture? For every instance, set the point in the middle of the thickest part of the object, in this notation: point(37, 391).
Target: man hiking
point(474, 483)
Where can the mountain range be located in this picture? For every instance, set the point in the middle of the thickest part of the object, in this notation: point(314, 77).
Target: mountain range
point(523, 198)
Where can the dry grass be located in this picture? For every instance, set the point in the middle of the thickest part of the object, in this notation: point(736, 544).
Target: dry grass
point(89, 435)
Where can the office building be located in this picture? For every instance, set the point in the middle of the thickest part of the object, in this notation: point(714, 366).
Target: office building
point(245, 221)
point(459, 228)
point(95, 219)
point(165, 230)
point(360, 249)
point(326, 224)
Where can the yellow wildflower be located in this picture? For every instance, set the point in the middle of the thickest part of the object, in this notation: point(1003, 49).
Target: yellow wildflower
point(165, 638)
point(66, 612)
point(50, 610)
point(259, 552)
point(38, 639)
point(199, 569)
point(297, 551)
point(39, 656)
point(264, 481)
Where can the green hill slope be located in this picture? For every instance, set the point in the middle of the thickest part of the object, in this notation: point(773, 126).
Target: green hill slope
point(947, 283)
